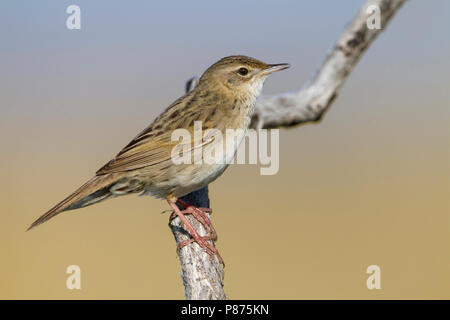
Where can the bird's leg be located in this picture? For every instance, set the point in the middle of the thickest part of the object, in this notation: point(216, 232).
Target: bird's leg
point(200, 216)
point(195, 213)
point(206, 222)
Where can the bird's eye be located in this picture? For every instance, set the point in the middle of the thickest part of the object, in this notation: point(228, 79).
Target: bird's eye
point(243, 71)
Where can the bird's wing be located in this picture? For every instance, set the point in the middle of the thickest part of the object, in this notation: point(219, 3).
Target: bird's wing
point(148, 153)
point(154, 145)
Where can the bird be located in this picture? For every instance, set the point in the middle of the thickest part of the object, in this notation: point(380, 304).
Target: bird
point(224, 98)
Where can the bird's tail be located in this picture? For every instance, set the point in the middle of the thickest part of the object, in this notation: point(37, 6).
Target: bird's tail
point(93, 191)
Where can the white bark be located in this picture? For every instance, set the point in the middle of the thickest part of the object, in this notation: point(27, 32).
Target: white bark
point(310, 103)
point(203, 276)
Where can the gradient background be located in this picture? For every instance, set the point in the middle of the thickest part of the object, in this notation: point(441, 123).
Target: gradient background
point(368, 185)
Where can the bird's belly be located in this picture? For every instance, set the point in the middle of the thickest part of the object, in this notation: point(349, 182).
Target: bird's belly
point(185, 180)
point(180, 180)
point(204, 176)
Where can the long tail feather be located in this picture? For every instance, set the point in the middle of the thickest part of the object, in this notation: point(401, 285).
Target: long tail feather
point(93, 191)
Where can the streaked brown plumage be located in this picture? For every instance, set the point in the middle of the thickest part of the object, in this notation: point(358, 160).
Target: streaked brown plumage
point(224, 98)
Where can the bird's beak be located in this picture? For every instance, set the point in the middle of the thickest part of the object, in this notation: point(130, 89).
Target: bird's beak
point(276, 67)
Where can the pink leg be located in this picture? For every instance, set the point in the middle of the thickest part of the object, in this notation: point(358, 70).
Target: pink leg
point(204, 220)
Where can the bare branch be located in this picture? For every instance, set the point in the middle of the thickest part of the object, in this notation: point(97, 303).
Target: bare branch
point(311, 102)
point(202, 274)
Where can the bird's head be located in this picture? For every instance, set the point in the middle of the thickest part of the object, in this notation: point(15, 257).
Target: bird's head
point(239, 74)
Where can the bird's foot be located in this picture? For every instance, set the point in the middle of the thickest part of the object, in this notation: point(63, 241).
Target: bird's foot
point(210, 249)
point(200, 216)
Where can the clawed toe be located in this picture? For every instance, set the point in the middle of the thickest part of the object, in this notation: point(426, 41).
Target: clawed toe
point(198, 214)
point(203, 243)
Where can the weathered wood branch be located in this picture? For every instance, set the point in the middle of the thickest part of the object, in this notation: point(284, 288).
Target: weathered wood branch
point(313, 100)
point(202, 275)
